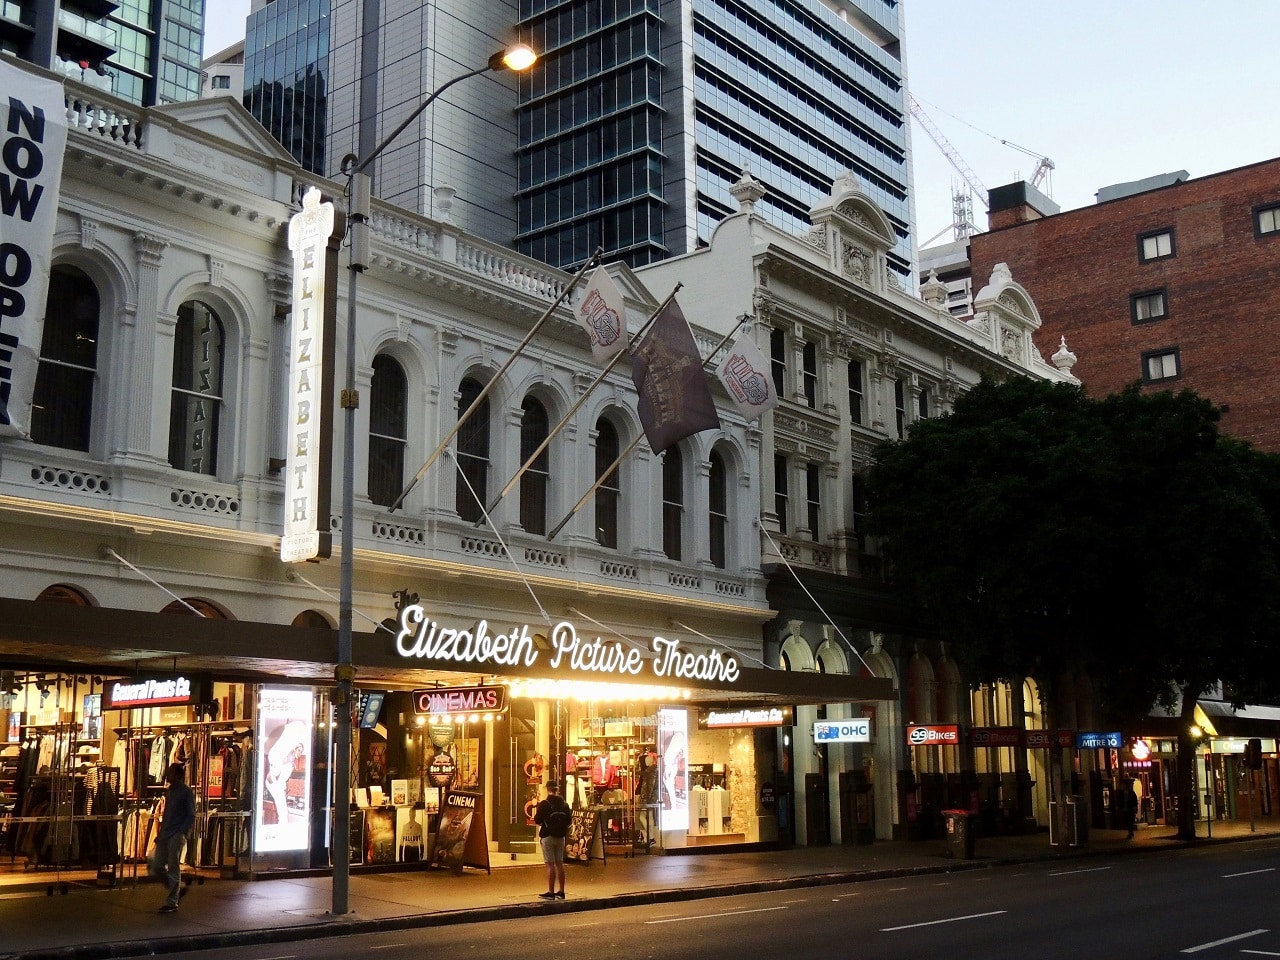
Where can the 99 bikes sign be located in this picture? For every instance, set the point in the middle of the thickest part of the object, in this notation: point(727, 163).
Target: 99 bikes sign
point(933, 734)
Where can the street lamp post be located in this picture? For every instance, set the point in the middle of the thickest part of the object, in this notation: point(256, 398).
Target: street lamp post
point(515, 57)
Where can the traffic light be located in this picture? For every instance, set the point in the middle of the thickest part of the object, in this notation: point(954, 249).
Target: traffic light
point(1253, 753)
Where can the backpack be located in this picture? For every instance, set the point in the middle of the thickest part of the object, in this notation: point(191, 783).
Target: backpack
point(556, 823)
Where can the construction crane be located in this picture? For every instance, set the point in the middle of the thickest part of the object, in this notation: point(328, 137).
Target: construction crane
point(961, 203)
point(948, 151)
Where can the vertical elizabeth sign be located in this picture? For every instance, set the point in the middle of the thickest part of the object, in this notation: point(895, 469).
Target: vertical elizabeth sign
point(314, 237)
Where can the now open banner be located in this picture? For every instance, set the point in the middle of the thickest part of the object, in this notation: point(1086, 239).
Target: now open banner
point(33, 125)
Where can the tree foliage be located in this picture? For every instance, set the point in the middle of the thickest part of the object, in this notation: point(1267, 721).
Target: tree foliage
point(1043, 531)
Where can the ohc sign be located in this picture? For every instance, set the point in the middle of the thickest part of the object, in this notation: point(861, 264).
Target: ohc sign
point(856, 730)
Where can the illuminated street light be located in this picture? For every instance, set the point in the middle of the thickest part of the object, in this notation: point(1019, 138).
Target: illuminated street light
point(515, 57)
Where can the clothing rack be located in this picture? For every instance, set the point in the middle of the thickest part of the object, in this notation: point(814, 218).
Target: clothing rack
point(201, 747)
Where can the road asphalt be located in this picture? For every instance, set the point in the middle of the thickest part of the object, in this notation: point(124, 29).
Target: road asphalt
point(92, 920)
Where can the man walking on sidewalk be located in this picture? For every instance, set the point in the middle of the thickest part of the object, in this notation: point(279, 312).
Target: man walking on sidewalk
point(179, 817)
point(553, 816)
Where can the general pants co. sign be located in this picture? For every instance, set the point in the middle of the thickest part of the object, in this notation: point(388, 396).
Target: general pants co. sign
point(33, 123)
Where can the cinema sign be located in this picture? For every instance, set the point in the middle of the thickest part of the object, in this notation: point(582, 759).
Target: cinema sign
point(447, 701)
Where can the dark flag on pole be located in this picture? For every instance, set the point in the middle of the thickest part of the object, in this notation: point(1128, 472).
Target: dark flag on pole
point(675, 401)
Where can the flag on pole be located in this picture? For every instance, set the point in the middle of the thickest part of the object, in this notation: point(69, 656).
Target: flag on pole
point(602, 311)
point(746, 376)
point(675, 401)
point(33, 131)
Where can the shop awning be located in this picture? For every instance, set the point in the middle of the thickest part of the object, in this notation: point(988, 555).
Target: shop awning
point(116, 642)
point(1249, 721)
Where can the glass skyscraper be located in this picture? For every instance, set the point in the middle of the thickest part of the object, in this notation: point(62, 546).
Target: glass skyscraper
point(286, 75)
point(628, 132)
point(642, 113)
point(146, 51)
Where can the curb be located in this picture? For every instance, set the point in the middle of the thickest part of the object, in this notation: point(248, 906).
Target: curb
point(351, 925)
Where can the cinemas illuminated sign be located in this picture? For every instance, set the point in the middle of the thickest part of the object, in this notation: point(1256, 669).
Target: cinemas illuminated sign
point(421, 638)
point(313, 239)
point(443, 701)
point(933, 734)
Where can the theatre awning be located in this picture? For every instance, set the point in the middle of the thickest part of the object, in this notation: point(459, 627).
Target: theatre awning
point(115, 642)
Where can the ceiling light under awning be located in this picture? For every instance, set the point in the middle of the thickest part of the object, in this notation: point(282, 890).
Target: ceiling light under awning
point(590, 692)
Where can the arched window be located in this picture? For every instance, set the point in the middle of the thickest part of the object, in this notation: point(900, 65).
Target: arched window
point(609, 493)
point(388, 430)
point(62, 407)
point(473, 452)
point(672, 503)
point(197, 390)
point(533, 484)
point(718, 503)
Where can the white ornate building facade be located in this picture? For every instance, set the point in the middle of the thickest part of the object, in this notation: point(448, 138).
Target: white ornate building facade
point(154, 484)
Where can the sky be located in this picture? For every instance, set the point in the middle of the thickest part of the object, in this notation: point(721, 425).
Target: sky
point(1109, 90)
point(223, 24)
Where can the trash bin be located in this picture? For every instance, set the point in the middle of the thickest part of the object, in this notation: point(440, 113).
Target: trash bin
point(959, 826)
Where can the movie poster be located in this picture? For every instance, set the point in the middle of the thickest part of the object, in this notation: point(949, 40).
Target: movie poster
point(673, 751)
point(451, 834)
point(283, 815)
point(380, 835)
point(467, 754)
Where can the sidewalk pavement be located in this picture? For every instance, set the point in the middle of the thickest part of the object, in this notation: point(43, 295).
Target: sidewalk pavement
point(91, 922)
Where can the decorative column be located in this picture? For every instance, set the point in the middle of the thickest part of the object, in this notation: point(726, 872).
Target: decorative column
point(145, 406)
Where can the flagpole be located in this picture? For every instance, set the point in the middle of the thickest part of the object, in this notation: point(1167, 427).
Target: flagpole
point(640, 436)
point(613, 362)
point(493, 381)
point(596, 486)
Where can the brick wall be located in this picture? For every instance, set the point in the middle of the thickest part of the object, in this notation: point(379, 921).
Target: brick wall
point(1222, 288)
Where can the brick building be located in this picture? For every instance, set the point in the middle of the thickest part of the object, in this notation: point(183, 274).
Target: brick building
point(1171, 284)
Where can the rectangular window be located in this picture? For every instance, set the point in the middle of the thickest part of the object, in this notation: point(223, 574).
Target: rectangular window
point(855, 391)
point(221, 82)
point(922, 405)
point(858, 502)
point(813, 499)
point(1148, 306)
point(780, 491)
point(1155, 245)
point(1159, 365)
point(811, 375)
point(1266, 219)
point(778, 360)
point(900, 407)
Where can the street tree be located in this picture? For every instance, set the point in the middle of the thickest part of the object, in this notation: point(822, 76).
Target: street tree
point(1043, 532)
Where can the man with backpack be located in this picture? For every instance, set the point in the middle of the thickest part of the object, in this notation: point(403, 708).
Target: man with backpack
point(552, 817)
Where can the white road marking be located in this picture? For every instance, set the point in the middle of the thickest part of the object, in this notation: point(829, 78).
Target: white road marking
point(283, 956)
point(930, 923)
point(896, 889)
point(843, 896)
point(1247, 873)
point(1067, 873)
point(386, 946)
point(1262, 953)
point(1218, 943)
point(712, 916)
